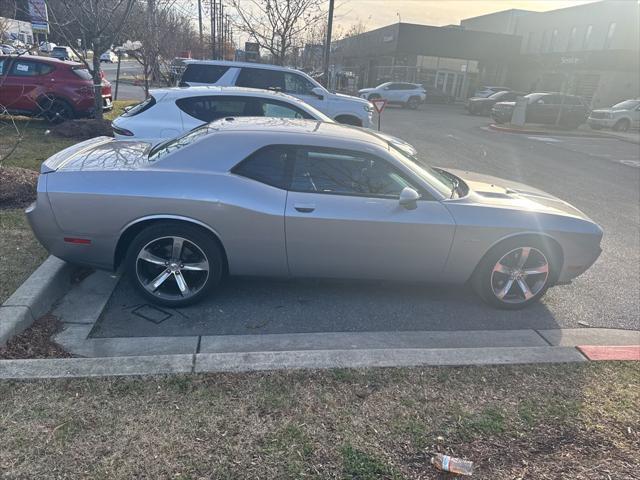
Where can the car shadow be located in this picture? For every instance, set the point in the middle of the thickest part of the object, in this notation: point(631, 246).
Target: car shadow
point(249, 306)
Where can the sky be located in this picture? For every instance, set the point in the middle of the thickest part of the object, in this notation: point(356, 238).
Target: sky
point(378, 13)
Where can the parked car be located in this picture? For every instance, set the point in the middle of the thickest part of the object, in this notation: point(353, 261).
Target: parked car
point(64, 53)
point(483, 105)
point(46, 47)
point(49, 88)
point(620, 117)
point(410, 95)
point(176, 69)
point(486, 91)
point(109, 56)
point(7, 49)
point(544, 108)
point(301, 198)
point(435, 95)
point(342, 108)
point(171, 112)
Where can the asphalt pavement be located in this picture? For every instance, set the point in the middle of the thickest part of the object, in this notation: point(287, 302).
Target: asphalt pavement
point(600, 176)
point(128, 69)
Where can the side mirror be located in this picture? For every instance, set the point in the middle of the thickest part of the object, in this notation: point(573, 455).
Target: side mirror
point(318, 92)
point(409, 198)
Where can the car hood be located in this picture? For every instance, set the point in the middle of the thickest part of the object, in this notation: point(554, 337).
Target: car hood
point(480, 99)
point(505, 104)
point(610, 110)
point(366, 90)
point(342, 96)
point(489, 190)
point(100, 153)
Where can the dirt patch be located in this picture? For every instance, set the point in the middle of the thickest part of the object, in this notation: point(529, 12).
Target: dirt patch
point(83, 129)
point(17, 187)
point(35, 341)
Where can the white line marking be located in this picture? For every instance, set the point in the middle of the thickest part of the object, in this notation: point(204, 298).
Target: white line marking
point(545, 139)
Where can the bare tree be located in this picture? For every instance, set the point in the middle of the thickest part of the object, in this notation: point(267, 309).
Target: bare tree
point(277, 25)
point(97, 23)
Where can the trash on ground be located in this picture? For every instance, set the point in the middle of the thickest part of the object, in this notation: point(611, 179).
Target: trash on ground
point(446, 463)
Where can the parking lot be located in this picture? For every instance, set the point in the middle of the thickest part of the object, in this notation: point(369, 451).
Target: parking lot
point(597, 175)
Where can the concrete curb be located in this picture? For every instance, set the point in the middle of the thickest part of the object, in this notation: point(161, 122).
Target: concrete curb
point(260, 361)
point(500, 128)
point(34, 297)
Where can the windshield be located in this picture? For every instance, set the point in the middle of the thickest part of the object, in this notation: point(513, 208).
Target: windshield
point(163, 149)
point(433, 177)
point(498, 95)
point(533, 97)
point(626, 105)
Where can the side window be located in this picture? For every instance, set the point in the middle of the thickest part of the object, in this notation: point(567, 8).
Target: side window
point(269, 165)
point(272, 108)
point(20, 68)
point(2, 63)
point(297, 85)
point(327, 170)
point(211, 108)
point(202, 73)
point(45, 69)
point(261, 78)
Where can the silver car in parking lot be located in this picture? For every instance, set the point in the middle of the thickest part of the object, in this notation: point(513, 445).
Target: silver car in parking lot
point(301, 198)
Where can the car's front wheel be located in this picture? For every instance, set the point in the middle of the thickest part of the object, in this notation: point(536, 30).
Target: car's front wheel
point(413, 103)
point(622, 125)
point(174, 264)
point(515, 273)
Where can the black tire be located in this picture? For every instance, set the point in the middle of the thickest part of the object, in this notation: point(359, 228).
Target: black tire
point(56, 111)
point(413, 103)
point(484, 280)
point(622, 125)
point(168, 293)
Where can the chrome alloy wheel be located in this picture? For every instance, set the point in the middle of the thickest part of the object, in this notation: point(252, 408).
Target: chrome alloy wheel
point(519, 275)
point(172, 268)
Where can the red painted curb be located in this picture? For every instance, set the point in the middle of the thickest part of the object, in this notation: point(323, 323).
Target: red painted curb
point(597, 353)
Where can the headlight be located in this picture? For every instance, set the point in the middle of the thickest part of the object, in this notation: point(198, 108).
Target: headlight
point(368, 108)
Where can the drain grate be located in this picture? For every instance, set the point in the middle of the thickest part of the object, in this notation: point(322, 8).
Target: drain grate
point(152, 313)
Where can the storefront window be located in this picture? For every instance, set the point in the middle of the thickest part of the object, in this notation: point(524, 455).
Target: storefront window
point(587, 38)
point(610, 33)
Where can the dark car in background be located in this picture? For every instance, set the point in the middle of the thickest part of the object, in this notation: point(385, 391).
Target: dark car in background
point(435, 95)
point(546, 108)
point(49, 88)
point(483, 105)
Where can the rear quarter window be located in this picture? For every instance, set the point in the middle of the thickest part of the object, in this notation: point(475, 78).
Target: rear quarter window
point(198, 73)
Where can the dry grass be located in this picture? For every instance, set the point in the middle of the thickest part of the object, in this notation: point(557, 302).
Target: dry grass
point(538, 422)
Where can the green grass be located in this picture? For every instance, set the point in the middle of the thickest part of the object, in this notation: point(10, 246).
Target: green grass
point(576, 421)
point(20, 251)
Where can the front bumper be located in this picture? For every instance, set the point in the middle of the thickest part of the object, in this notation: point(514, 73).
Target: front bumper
point(601, 122)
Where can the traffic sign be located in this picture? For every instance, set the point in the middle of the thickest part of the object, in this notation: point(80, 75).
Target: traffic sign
point(379, 104)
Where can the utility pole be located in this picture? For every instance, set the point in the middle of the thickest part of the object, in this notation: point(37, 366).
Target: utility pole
point(214, 9)
point(200, 27)
point(221, 54)
point(327, 45)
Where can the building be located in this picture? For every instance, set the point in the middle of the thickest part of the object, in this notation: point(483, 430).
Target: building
point(449, 58)
point(15, 31)
point(591, 50)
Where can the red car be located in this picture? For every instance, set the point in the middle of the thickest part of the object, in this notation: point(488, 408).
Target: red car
point(46, 87)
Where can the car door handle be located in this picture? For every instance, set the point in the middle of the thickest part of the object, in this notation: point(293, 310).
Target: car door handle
point(304, 207)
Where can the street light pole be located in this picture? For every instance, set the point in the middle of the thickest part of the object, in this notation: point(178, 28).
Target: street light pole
point(327, 45)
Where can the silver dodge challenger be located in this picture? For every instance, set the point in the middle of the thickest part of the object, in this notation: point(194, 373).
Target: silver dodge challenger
point(301, 198)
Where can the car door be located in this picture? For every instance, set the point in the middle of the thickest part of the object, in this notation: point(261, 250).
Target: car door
point(343, 219)
point(543, 110)
point(21, 85)
point(298, 86)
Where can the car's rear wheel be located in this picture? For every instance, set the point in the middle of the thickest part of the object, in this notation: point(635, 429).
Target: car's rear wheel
point(174, 264)
point(413, 103)
point(56, 111)
point(622, 125)
point(515, 274)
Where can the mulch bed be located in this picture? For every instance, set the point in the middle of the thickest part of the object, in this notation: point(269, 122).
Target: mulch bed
point(35, 341)
point(82, 129)
point(17, 187)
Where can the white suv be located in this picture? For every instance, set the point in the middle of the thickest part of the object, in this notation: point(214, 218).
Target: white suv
point(171, 112)
point(342, 108)
point(409, 95)
point(621, 117)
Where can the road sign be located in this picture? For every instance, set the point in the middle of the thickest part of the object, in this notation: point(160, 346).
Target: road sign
point(379, 104)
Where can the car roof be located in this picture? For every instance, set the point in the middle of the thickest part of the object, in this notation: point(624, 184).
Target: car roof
point(181, 92)
point(284, 126)
point(265, 66)
point(38, 58)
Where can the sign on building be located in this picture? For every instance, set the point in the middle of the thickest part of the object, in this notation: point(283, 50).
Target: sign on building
point(39, 16)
